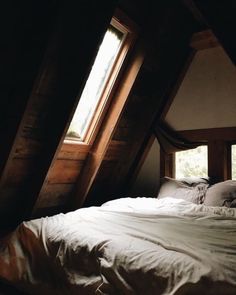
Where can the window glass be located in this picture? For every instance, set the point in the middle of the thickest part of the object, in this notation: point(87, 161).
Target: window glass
point(95, 84)
point(191, 163)
point(233, 164)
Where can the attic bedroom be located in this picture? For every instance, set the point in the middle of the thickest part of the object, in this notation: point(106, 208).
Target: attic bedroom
point(118, 162)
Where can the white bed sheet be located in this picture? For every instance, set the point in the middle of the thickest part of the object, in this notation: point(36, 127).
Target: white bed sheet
point(126, 246)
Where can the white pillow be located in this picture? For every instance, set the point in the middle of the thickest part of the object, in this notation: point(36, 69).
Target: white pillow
point(178, 189)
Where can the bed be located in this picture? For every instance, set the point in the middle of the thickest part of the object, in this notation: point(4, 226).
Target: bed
point(165, 245)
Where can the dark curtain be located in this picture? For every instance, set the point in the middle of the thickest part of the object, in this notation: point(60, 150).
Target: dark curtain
point(170, 140)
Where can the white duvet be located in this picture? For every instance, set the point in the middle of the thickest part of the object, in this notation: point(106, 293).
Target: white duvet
point(126, 246)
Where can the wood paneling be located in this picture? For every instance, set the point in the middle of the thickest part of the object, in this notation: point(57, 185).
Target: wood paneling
point(73, 151)
point(64, 171)
point(24, 38)
point(18, 172)
point(54, 195)
point(58, 75)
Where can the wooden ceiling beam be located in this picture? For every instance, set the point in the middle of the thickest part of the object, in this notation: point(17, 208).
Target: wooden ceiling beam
point(204, 40)
point(20, 69)
point(220, 18)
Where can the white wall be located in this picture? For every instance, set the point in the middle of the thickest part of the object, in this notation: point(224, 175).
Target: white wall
point(207, 95)
point(148, 179)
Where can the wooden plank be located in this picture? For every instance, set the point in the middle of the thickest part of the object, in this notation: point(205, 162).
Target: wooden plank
point(115, 150)
point(27, 148)
point(18, 172)
point(54, 195)
point(104, 137)
point(225, 133)
point(72, 151)
point(64, 171)
point(24, 44)
point(204, 40)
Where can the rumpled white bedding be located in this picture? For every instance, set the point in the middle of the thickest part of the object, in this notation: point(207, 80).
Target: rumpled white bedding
point(126, 246)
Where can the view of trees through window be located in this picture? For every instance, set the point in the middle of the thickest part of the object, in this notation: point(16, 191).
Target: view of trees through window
point(233, 153)
point(95, 84)
point(191, 163)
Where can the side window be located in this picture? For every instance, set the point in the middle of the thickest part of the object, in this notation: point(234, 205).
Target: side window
point(233, 161)
point(103, 74)
point(191, 163)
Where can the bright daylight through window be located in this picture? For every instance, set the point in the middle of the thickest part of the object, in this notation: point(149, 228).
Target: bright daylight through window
point(95, 85)
point(191, 163)
point(233, 163)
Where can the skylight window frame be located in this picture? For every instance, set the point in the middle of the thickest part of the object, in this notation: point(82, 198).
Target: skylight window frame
point(129, 30)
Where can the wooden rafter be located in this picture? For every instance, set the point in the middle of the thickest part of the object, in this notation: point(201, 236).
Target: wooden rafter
point(204, 40)
point(220, 18)
point(22, 69)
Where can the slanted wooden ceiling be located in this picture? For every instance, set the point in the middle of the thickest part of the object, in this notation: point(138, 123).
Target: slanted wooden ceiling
point(49, 48)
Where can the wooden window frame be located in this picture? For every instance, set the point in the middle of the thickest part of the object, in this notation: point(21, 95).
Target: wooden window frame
point(121, 22)
point(219, 141)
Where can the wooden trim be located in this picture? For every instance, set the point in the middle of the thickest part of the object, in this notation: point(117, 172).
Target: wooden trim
point(217, 160)
point(166, 164)
point(224, 133)
point(104, 137)
point(204, 40)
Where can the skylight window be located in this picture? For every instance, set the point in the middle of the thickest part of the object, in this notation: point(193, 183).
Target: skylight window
point(96, 84)
point(191, 163)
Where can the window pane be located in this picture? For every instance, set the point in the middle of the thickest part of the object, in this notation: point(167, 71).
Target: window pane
point(95, 83)
point(191, 163)
point(233, 153)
